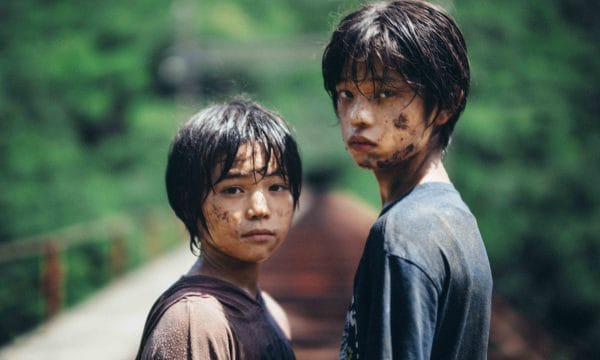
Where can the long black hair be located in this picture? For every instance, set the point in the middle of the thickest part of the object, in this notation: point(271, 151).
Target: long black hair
point(210, 140)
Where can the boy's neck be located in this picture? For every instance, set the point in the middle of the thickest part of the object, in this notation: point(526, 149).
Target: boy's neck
point(397, 182)
point(243, 276)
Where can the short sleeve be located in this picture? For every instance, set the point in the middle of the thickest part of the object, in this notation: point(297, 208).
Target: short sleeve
point(195, 328)
point(413, 300)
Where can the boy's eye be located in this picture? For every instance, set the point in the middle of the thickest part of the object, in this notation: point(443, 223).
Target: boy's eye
point(383, 94)
point(278, 187)
point(232, 190)
point(344, 94)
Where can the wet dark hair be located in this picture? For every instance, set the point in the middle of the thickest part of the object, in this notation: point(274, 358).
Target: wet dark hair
point(209, 141)
point(417, 40)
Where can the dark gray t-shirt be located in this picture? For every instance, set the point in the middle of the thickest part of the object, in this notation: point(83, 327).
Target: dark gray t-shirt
point(423, 287)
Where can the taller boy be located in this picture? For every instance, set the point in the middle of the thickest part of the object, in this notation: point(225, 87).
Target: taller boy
point(398, 75)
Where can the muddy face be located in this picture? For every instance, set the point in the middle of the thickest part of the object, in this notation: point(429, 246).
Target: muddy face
point(383, 123)
point(247, 215)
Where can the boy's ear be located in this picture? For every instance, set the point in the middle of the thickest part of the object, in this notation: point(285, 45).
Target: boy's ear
point(442, 117)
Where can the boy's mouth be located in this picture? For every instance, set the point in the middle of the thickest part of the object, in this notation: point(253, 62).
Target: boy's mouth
point(258, 235)
point(360, 143)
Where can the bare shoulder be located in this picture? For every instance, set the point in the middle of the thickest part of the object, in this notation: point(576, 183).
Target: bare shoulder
point(278, 314)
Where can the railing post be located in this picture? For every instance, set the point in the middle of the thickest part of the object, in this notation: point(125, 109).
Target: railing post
point(52, 279)
point(118, 254)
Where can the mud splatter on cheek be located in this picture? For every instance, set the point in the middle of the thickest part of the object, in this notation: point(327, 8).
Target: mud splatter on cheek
point(408, 150)
point(224, 216)
point(401, 122)
point(219, 214)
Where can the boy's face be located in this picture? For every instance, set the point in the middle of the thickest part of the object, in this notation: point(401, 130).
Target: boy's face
point(247, 215)
point(383, 123)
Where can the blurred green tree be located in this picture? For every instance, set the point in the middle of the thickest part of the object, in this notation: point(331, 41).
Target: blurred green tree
point(70, 75)
point(526, 155)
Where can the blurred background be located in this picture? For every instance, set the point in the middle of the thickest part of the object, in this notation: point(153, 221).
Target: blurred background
point(91, 93)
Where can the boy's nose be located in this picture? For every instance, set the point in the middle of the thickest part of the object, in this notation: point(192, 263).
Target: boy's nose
point(258, 206)
point(361, 114)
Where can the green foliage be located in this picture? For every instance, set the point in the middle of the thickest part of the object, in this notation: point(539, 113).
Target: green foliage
point(69, 76)
point(522, 157)
point(21, 304)
point(87, 270)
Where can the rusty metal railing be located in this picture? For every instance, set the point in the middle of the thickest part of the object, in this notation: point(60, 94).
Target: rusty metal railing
point(114, 230)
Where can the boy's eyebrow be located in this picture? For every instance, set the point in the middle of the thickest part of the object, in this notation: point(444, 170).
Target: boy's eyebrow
point(236, 174)
point(376, 79)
